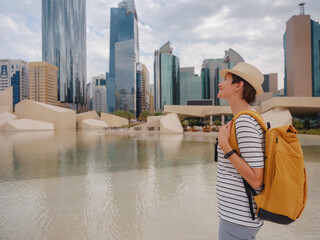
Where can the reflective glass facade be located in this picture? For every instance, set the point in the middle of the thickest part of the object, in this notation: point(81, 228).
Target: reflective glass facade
point(170, 80)
point(266, 83)
point(64, 45)
point(315, 51)
point(205, 83)
point(210, 74)
point(157, 81)
point(139, 90)
point(124, 56)
point(285, 62)
point(190, 86)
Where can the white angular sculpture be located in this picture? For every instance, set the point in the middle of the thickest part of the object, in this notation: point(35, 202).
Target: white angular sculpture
point(277, 117)
point(27, 125)
point(93, 124)
point(154, 125)
point(170, 124)
point(113, 120)
point(62, 118)
point(5, 116)
point(87, 115)
point(6, 100)
point(154, 118)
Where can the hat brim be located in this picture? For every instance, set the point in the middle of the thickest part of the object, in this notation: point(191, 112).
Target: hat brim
point(258, 88)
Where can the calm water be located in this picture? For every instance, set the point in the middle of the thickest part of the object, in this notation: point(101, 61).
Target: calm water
point(89, 185)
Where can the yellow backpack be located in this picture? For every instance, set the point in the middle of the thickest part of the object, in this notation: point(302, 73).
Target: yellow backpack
point(284, 192)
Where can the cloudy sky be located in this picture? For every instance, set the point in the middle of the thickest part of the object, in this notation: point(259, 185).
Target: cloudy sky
point(197, 30)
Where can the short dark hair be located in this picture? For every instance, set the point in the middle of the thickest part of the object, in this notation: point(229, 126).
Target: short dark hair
point(249, 93)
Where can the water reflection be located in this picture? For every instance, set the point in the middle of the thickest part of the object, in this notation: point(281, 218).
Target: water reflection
point(86, 185)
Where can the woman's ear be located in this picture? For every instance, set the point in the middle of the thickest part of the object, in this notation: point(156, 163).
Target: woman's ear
point(239, 86)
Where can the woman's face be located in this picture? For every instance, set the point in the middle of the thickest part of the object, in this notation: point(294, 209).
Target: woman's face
point(226, 88)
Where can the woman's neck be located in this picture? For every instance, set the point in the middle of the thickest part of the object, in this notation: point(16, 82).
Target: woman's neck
point(237, 105)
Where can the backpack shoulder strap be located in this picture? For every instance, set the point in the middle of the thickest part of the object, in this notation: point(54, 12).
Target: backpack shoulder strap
point(253, 114)
point(233, 139)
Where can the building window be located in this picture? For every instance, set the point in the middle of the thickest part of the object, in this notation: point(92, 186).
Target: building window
point(319, 55)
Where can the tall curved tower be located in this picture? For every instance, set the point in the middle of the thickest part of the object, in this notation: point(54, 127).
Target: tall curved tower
point(123, 58)
point(64, 45)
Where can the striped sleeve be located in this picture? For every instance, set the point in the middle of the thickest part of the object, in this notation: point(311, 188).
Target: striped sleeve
point(251, 141)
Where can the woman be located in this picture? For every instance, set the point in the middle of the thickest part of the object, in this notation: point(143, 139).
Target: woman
point(240, 86)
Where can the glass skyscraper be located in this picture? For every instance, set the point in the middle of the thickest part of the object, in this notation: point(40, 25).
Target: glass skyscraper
point(124, 57)
point(315, 52)
point(64, 45)
point(210, 74)
point(190, 85)
point(166, 78)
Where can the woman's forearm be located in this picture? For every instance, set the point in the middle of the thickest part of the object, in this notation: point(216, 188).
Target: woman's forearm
point(254, 176)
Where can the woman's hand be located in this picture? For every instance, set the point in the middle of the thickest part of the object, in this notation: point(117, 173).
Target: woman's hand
point(223, 138)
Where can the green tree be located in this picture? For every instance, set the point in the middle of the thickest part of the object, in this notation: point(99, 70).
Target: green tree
point(217, 122)
point(297, 123)
point(206, 123)
point(185, 124)
point(192, 122)
point(143, 115)
point(125, 114)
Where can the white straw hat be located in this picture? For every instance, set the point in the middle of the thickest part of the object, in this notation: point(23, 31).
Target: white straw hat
point(249, 73)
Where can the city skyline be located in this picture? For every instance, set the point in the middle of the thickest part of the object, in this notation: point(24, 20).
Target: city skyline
point(202, 30)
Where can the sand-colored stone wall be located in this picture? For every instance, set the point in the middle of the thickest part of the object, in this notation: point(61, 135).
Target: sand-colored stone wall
point(170, 124)
point(62, 118)
point(113, 120)
point(86, 115)
point(6, 100)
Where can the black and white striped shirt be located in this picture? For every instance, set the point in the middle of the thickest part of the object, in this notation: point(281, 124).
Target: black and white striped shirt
point(233, 202)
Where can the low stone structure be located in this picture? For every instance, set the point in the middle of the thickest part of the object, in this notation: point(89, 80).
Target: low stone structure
point(93, 124)
point(84, 116)
point(6, 116)
point(154, 125)
point(62, 118)
point(154, 118)
point(113, 120)
point(296, 105)
point(170, 124)
point(27, 125)
point(277, 117)
point(6, 100)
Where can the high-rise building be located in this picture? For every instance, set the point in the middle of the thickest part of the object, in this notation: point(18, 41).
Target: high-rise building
point(99, 98)
point(43, 79)
point(166, 78)
point(270, 83)
point(124, 57)
point(99, 80)
point(139, 90)
point(301, 43)
point(270, 88)
point(14, 73)
point(190, 85)
point(151, 92)
point(64, 45)
point(99, 93)
point(210, 74)
point(89, 96)
point(145, 94)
